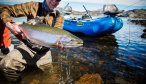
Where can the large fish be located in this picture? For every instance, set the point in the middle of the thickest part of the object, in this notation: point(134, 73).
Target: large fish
point(49, 36)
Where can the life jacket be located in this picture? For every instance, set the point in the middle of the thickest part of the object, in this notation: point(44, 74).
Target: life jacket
point(5, 38)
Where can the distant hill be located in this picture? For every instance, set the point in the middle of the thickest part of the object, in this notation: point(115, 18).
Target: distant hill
point(135, 13)
point(92, 13)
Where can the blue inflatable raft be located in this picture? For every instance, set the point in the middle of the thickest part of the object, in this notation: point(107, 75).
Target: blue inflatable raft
point(94, 27)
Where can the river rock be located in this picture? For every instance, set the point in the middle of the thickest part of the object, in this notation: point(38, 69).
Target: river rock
point(144, 30)
point(143, 35)
point(90, 79)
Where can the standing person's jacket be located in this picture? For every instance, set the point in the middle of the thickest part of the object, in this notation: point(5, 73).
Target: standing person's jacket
point(30, 10)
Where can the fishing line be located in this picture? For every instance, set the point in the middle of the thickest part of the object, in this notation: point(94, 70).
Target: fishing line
point(129, 34)
point(133, 4)
point(129, 39)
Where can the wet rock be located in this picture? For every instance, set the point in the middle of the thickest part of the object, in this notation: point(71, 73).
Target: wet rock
point(119, 80)
point(90, 79)
point(136, 13)
point(34, 81)
point(138, 21)
point(144, 30)
point(143, 35)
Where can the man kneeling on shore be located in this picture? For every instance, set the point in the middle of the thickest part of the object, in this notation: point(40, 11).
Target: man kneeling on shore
point(25, 55)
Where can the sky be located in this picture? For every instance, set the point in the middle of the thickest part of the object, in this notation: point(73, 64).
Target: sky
point(124, 2)
point(94, 4)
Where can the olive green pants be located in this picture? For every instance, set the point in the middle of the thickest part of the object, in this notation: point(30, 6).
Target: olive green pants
point(22, 56)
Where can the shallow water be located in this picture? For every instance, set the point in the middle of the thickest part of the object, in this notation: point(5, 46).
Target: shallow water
point(131, 48)
point(119, 59)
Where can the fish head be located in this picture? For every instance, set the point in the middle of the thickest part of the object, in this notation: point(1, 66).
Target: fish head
point(68, 42)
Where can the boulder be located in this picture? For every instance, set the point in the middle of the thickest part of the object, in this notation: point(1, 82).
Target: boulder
point(90, 79)
point(143, 35)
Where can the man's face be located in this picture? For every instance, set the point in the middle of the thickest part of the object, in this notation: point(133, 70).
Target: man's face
point(53, 3)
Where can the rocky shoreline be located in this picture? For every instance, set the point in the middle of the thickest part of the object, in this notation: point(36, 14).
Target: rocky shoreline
point(141, 22)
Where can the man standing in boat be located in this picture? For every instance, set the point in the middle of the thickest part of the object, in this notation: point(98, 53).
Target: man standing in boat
point(17, 60)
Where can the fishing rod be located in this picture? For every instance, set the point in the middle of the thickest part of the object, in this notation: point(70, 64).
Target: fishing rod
point(62, 11)
point(87, 11)
point(66, 6)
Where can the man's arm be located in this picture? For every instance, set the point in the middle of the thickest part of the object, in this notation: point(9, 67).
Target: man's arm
point(28, 9)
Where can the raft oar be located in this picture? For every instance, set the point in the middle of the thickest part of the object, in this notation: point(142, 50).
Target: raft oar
point(87, 11)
